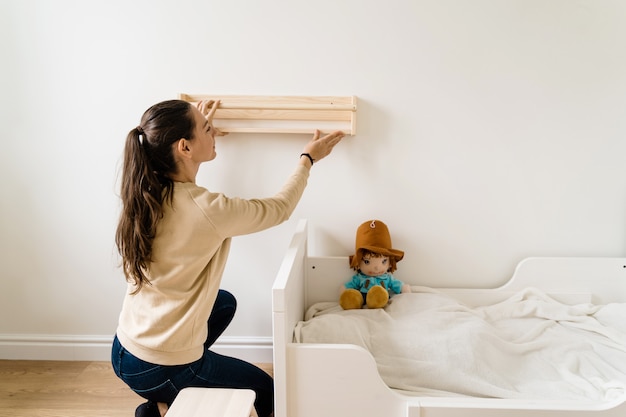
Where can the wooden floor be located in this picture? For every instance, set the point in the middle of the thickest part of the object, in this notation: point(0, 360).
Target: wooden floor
point(66, 389)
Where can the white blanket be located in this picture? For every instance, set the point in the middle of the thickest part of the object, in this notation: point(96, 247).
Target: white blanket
point(529, 346)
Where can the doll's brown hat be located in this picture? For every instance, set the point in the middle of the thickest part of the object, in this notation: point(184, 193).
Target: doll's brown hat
point(373, 235)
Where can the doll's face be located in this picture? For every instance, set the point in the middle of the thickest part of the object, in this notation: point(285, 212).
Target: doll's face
point(374, 265)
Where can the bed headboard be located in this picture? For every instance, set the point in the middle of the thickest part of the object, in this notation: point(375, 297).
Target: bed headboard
point(569, 279)
point(604, 278)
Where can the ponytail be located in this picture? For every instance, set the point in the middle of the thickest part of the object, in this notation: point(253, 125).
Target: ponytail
point(146, 185)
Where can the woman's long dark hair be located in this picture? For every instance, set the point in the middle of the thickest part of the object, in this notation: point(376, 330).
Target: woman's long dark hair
point(146, 184)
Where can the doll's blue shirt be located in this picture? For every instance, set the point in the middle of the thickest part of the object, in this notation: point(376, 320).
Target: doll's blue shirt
point(364, 282)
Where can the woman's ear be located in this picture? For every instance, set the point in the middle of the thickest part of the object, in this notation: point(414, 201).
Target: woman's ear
point(183, 149)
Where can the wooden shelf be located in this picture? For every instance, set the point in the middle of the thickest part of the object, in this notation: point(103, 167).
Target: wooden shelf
point(281, 114)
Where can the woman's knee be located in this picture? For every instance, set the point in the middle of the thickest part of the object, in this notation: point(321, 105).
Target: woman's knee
point(226, 299)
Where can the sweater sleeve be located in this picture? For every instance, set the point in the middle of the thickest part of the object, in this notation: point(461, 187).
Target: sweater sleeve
point(237, 216)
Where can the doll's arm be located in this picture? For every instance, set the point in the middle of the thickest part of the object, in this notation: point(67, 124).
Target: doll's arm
point(352, 284)
point(398, 286)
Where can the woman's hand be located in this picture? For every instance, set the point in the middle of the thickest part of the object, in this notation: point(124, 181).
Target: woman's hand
point(320, 147)
point(208, 109)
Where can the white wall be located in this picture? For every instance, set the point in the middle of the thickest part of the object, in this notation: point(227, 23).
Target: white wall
point(488, 131)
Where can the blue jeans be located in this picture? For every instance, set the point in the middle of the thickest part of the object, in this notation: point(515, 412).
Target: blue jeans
point(160, 383)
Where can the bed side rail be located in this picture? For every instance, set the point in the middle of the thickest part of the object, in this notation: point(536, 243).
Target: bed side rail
point(490, 407)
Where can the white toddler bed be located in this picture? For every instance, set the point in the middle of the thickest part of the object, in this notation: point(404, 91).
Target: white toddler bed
point(345, 379)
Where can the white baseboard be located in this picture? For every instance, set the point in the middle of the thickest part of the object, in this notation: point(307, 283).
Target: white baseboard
point(98, 348)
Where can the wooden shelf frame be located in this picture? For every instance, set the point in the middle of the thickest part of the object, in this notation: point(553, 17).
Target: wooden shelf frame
point(281, 114)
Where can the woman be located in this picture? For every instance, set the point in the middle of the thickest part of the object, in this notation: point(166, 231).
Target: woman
point(174, 238)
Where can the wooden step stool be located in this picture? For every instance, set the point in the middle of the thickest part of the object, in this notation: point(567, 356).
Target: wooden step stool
point(213, 402)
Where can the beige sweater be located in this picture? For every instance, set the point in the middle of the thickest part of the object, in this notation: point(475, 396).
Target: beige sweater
point(166, 322)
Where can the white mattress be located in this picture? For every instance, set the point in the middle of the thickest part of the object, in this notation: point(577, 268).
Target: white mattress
point(529, 346)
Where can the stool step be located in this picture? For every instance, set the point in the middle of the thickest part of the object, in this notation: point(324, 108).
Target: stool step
point(213, 402)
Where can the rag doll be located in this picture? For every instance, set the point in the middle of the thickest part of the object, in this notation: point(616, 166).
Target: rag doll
point(374, 260)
